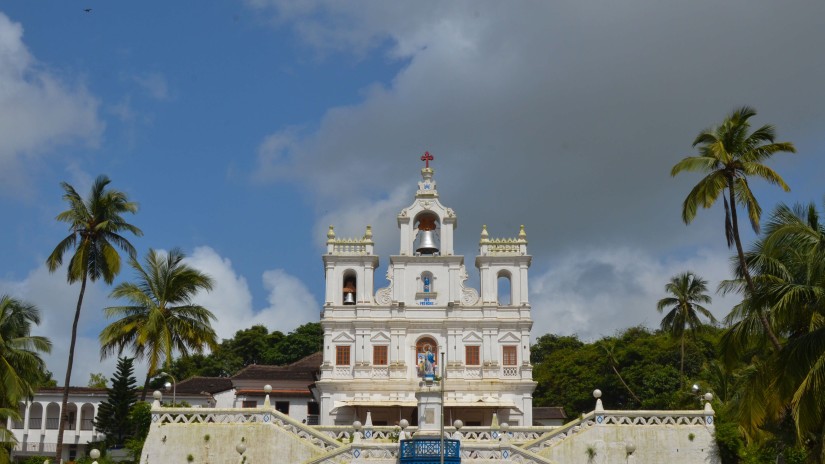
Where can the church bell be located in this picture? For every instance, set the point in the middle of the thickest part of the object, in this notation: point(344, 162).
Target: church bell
point(427, 243)
point(349, 293)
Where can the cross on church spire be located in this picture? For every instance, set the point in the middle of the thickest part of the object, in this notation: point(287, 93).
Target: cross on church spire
point(426, 159)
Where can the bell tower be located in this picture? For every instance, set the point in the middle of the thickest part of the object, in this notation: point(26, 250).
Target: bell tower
point(427, 226)
point(350, 269)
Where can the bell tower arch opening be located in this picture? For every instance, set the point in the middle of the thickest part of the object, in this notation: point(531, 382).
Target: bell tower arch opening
point(504, 290)
point(428, 238)
point(349, 287)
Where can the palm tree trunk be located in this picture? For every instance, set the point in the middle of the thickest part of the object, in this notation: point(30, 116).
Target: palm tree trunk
point(682, 366)
point(625, 384)
point(751, 288)
point(62, 424)
point(145, 387)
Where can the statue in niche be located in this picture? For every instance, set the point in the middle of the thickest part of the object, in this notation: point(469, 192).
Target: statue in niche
point(429, 367)
point(427, 362)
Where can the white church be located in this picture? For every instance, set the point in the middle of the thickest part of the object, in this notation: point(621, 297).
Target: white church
point(389, 352)
point(376, 342)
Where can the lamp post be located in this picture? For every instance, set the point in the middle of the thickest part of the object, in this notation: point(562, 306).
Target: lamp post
point(442, 407)
point(174, 385)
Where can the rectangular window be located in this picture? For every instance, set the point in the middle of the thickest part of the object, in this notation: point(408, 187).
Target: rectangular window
point(472, 355)
point(510, 357)
point(379, 355)
point(342, 355)
point(282, 407)
point(249, 404)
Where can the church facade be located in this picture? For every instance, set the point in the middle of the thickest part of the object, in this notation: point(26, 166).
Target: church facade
point(380, 345)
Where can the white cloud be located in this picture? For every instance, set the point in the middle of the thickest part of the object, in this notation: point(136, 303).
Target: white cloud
point(290, 303)
point(600, 291)
point(351, 219)
point(37, 110)
point(57, 302)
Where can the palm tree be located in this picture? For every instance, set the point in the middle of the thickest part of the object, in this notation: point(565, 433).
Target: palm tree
point(95, 228)
point(20, 362)
point(688, 291)
point(729, 156)
point(21, 367)
point(161, 318)
point(789, 274)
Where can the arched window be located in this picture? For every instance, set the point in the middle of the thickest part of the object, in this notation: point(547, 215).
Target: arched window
point(349, 287)
point(427, 241)
point(505, 291)
point(36, 414)
point(423, 347)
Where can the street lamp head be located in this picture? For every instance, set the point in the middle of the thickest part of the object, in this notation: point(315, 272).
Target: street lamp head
point(94, 454)
point(695, 389)
point(167, 385)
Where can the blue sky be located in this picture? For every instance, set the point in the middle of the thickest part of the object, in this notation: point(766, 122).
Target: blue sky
point(244, 129)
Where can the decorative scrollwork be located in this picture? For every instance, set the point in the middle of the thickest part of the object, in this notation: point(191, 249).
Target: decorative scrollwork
point(469, 296)
point(383, 296)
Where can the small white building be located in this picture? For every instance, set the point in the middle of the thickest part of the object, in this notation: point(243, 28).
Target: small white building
point(36, 433)
point(375, 341)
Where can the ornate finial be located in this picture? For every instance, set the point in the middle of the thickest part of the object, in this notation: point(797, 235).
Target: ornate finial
point(368, 233)
point(522, 235)
point(484, 234)
point(426, 159)
point(331, 233)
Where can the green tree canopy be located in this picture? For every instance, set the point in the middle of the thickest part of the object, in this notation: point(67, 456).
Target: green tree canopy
point(113, 414)
point(161, 318)
point(687, 292)
point(255, 345)
point(21, 367)
point(788, 264)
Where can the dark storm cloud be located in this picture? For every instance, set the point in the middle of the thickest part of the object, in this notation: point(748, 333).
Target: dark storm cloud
point(564, 116)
